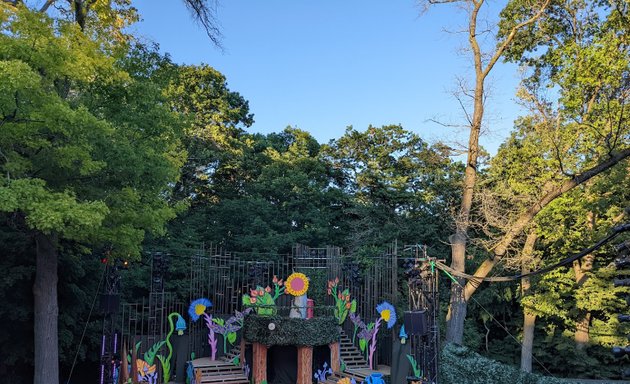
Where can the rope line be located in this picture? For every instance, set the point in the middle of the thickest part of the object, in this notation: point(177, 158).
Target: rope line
point(567, 261)
point(98, 290)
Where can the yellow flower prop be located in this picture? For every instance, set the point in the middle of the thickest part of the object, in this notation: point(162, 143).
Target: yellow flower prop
point(144, 369)
point(296, 284)
point(345, 380)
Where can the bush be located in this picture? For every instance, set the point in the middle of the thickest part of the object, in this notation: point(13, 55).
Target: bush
point(461, 365)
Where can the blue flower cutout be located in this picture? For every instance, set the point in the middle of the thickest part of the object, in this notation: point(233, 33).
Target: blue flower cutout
point(403, 334)
point(180, 326)
point(387, 312)
point(198, 307)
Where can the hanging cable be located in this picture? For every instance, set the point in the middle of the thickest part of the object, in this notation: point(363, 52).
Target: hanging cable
point(98, 290)
point(564, 262)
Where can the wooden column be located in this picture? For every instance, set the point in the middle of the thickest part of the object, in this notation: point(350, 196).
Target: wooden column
point(260, 362)
point(335, 357)
point(242, 353)
point(305, 365)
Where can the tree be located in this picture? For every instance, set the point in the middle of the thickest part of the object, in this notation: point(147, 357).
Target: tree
point(587, 61)
point(111, 17)
point(585, 135)
point(401, 188)
point(88, 151)
point(484, 62)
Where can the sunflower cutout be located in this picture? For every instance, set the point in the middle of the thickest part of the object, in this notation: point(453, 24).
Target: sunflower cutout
point(296, 284)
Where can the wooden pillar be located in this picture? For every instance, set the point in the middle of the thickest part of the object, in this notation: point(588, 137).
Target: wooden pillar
point(305, 365)
point(335, 357)
point(260, 362)
point(242, 353)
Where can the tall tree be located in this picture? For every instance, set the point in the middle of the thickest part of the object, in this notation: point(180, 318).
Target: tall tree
point(484, 62)
point(583, 128)
point(88, 152)
point(581, 50)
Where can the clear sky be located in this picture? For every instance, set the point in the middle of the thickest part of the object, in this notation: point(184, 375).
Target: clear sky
point(324, 65)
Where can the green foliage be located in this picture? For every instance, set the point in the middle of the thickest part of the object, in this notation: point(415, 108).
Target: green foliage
point(70, 102)
point(461, 365)
point(291, 331)
point(401, 188)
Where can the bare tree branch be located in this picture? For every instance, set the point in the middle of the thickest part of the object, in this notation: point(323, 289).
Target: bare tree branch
point(508, 40)
point(204, 12)
point(46, 5)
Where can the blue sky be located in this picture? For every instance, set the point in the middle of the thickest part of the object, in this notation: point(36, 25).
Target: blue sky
point(324, 65)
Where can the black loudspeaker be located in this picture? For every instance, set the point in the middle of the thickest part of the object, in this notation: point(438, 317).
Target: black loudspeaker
point(110, 303)
point(416, 322)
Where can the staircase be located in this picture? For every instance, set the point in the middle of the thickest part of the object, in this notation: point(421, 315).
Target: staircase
point(356, 366)
point(351, 355)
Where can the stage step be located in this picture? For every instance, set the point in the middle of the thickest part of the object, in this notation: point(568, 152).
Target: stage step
point(351, 355)
point(217, 371)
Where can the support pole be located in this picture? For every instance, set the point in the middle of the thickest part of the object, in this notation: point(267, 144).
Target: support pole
point(242, 352)
point(305, 365)
point(260, 363)
point(335, 357)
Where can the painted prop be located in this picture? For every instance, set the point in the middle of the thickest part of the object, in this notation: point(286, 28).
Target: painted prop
point(166, 361)
point(297, 285)
point(343, 305)
point(228, 328)
point(197, 309)
point(262, 300)
point(388, 313)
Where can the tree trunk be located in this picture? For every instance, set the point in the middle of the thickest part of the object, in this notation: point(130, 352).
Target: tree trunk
point(46, 311)
point(529, 318)
point(457, 306)
point(582, 269)
point(582, 335)
point(529, 324)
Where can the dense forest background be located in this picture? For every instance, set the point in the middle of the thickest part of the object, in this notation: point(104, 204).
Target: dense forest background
point(108, 148)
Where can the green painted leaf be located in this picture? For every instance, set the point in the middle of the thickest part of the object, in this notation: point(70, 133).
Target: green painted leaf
point(231, 337)
point(149, 356)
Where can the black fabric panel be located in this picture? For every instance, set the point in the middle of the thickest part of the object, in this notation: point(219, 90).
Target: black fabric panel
point(282, 365)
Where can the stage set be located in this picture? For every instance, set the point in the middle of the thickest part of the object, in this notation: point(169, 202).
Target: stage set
point(312, 316)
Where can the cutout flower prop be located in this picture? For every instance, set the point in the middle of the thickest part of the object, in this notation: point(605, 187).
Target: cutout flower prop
point(146, 372)
point(180, 326)
point(228, 328)
point(343, 305)
point(297, 284)
point(198, 308)
point(321, 374)
point(388, 313)
point(403, 335)
point(261, 298)
point(358, 324)
point(166, 360)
